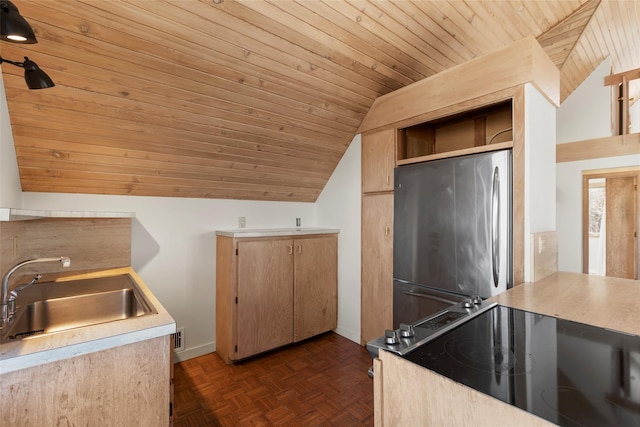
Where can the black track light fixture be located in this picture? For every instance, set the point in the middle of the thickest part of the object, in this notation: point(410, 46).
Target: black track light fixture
point(13, 27)
point(33, 75)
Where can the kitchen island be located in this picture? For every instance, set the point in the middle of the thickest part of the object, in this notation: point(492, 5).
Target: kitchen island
point(401, 386)
point(115, 373)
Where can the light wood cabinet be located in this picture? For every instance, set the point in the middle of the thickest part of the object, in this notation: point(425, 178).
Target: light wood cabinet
point(406, 394)
point(121, 386)
point(378, 160)
point(377, 265)
point(315, 304)
point(378, 163)
point(272, 291)
point(264, 295)
point(482, 129)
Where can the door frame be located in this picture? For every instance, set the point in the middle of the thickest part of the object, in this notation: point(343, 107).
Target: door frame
point(606, 173)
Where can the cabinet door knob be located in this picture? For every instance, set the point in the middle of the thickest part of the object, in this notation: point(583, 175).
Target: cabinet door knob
point(299, 249)
point(290, 248)
point(388, 179)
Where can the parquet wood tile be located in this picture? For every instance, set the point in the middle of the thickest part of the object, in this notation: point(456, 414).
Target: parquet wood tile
point(319, 382)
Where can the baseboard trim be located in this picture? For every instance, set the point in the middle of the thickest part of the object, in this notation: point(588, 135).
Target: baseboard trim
point(192, 352)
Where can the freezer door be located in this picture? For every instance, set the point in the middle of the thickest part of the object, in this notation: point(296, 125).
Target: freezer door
point(452, 224)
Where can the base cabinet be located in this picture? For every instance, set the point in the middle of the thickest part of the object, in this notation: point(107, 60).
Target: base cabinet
point(406, 394)
point(315, 287)
point(121, 386)
point(264, 306)
point(272, 291)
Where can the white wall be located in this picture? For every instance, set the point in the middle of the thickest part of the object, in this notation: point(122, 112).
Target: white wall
point(585, 114)
point(634, 115)
point(339, 206)
point(540, 178)
point(10, 190)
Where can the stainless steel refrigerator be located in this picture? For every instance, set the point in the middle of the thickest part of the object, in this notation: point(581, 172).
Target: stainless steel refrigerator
point(452, 232)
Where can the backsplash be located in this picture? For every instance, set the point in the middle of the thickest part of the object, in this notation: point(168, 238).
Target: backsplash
point(91, 243)
point(544, 254)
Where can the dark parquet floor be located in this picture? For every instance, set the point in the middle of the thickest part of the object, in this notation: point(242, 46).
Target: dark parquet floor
point(319, 382)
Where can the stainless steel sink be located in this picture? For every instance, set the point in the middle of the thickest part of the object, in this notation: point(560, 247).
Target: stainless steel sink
point(49, 307)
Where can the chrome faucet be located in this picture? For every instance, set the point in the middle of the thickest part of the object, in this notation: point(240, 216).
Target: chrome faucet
point(4, 292)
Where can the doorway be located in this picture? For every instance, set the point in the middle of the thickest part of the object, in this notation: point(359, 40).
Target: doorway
point(610, 222)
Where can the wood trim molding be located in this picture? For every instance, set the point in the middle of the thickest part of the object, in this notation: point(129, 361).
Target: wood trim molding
point(518, 185)
point(611, 172)
point(585, 224)
point(620, 145)
point(463, 152)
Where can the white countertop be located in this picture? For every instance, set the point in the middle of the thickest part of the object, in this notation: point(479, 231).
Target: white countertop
point(39, 349)
point(12, 214)
point(271, 232)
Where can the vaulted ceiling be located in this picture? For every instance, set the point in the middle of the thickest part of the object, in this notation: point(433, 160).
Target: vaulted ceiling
point(256, 99)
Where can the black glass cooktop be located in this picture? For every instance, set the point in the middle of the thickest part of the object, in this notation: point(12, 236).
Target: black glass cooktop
point(568, 373)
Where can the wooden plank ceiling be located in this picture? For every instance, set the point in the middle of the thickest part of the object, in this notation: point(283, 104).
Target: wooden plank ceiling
point(255, 99)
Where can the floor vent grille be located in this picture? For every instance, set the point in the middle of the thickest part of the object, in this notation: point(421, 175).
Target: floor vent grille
point(178, 340)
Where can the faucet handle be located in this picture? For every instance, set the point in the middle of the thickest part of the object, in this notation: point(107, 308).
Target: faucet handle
point(11, 300)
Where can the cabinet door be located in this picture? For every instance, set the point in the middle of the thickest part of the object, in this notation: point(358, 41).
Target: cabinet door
point(315, 286)
point(378, 161)
point(377, 265)
point(265, 295)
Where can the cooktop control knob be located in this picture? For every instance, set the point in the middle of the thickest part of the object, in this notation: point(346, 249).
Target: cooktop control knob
point(467, 303)
point(391, 337)
point(476, 299)
point(406, 330)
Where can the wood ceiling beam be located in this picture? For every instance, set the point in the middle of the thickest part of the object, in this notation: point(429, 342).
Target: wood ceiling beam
point(616, 79)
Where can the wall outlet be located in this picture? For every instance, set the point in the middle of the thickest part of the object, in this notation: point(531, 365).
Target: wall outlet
point(242, 222)
point(542, 244)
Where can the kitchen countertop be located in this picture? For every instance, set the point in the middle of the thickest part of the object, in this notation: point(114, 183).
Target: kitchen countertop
point(607, 302)
point(274, 232)
point(36, 350)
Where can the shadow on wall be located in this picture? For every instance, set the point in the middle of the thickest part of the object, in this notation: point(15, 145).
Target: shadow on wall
point(143, 246)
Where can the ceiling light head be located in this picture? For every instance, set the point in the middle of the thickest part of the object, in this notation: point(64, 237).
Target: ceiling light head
point(13, 27)
point(33, 75)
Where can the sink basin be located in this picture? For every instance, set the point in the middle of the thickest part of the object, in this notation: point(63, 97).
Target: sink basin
point(50, 307)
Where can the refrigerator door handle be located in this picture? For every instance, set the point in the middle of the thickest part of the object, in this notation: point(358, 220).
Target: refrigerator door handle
point(495, 226)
